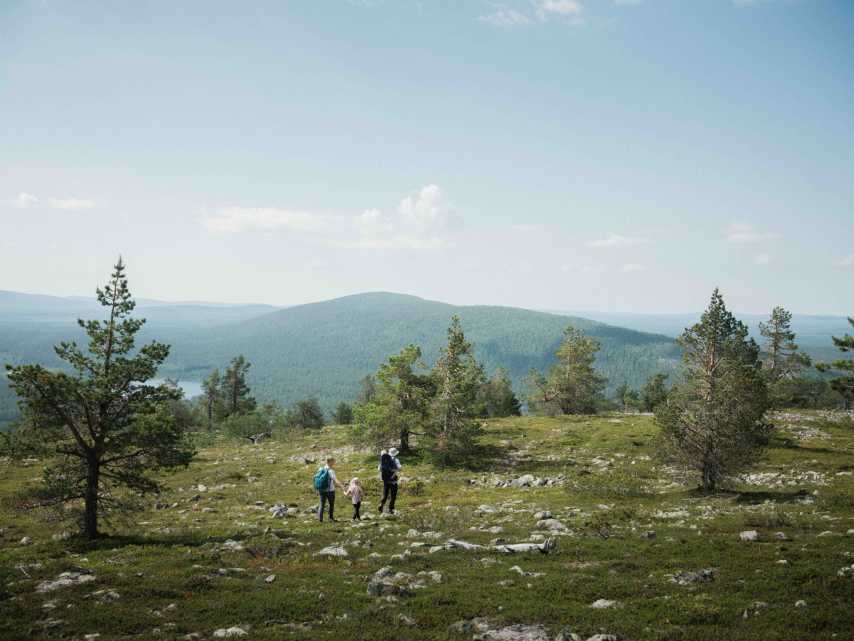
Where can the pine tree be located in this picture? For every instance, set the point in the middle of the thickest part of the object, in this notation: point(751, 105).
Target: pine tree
point(783, 358)
point(212, 397)
point(844, 383)
point(573, 385)
point(343, 414)
point(654, 392)
point(497, 398)
point(399, 402)
point(305, 414)
point(110, 428)
point(453, 427)
point(713, 416)
point(235, 390)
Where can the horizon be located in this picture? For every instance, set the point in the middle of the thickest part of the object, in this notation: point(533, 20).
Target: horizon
point(278, 307)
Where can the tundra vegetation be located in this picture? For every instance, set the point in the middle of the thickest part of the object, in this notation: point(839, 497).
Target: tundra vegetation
point(715, 517)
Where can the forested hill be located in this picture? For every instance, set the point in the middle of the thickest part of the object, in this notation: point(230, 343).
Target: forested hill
point(323, 349)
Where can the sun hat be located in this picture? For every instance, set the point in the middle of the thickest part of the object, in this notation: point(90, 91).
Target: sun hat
point(393, 451)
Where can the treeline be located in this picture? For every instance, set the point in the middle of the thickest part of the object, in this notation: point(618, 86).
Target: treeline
point(792, 379)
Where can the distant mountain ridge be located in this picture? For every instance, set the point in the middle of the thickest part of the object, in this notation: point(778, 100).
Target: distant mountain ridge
point(323, 349)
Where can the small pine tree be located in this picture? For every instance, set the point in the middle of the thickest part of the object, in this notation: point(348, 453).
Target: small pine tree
point(109, 426)
point(235, 390)
point(399, 404)
point(214, 406)
point(573, 385)
point(783, 359)
point(654, 392)
point(306, 414)
point(453, 427)
point(497, 398)
point(713, 417)
point(843, 384)
point(343, 414)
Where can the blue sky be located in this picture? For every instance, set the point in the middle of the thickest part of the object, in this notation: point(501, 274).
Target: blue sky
point(615, 155)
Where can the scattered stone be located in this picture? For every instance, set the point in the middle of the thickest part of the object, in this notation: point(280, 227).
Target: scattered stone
point(226, 633)
point(541, 516)
point(25, 541)
point(232, 546)
point(749, 535)
point(332, 550)
point(649, 534)
point(705, 575)
point(552, 525)
point(800, 603)
point(64, 580)
point(270, 579)
point(601, 604)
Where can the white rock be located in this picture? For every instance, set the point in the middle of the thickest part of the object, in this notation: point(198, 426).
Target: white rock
point(234, 631)
point(64, 580)
point(601, 604)
point(332, 550)
point(749, 535)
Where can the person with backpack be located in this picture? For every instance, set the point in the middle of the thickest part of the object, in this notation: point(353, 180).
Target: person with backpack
point(389, 468)
point(325, 482)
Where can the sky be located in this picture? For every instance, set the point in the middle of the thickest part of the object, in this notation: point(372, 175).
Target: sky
point(612, 155)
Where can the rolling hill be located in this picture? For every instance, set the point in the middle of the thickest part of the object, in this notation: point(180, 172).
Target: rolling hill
point(324, 349)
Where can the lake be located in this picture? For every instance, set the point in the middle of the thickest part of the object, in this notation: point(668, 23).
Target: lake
point(191, 388)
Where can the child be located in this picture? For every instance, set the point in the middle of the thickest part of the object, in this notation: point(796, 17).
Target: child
point(354, 491)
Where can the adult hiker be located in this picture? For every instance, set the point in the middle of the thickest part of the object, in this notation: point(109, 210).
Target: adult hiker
point(325, 482)
point(389, 469)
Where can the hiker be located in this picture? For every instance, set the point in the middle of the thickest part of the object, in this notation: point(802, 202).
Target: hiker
point(325, 482)
point(389, 468)
point(354, 491)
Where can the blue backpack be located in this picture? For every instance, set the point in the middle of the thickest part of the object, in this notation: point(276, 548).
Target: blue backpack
point(321, 479)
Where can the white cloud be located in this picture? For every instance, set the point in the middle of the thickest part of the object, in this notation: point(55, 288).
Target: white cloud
point(71, 204)
point(745, 233)
point(848, 261)
point(762, 259)
point(632, 267)
point(559, 7)
point(615, 240)
point(238, 219)
point(502, 16)
point(24, 200)
point(420, 222)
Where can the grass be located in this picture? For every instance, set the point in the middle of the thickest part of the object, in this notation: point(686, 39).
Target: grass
point(175, 577)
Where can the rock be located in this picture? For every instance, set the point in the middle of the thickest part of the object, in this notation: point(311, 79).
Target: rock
point(604, 637)
point(552, 525)
point(749, 535)
point(278, 511)
point(64, 580)
point(567, 635)
point(800, 603)
point(649, 534)
point(25, 541)
point(406, 620)
point(61, 536)
point(226, 633)
point(517, 632)
point(781, 536)
point(541, 516)
point(601, 604)
point(526, 480)
point(270, 579)
point(332, 550)
point(232, 545)
point(705, 575)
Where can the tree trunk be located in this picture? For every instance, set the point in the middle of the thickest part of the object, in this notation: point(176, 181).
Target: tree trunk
point(90, 523)
point(404, 440)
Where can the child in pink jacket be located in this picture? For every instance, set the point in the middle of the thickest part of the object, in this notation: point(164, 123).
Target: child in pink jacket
point(354, 491)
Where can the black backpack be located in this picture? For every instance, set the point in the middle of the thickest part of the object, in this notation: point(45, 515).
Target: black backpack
point(387, 468)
